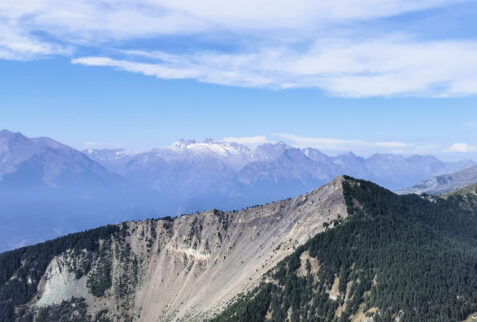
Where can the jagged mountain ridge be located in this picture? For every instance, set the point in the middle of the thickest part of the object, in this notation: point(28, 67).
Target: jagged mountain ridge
point(445, 183)
point(349, 249)
point(200, 174)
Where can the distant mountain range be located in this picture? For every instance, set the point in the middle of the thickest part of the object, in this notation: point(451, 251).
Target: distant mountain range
point(444, 183)
point(48, 189)
point(269, 163)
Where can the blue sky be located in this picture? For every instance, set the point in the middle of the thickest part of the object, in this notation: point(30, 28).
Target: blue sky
point(370, 76)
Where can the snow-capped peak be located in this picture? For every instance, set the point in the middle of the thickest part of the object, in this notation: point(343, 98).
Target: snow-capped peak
point(209, 146)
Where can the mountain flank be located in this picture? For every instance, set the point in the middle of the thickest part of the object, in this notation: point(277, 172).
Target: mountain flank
point(349, 250)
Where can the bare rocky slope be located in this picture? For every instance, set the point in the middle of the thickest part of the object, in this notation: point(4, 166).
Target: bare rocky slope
point(182, 269)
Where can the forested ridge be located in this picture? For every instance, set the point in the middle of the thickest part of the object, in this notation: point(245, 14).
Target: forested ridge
point(408, 257)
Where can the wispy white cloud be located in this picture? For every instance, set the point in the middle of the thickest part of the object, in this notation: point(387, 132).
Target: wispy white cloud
point(16, 45)
point(363, 147)
point(339, 144)
point(125, 19)
point(461, 147)
point(183, 67)
point(251, 141)
point(377, 67)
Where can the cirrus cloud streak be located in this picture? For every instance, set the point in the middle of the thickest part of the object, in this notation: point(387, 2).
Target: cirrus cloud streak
point(379, 67)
